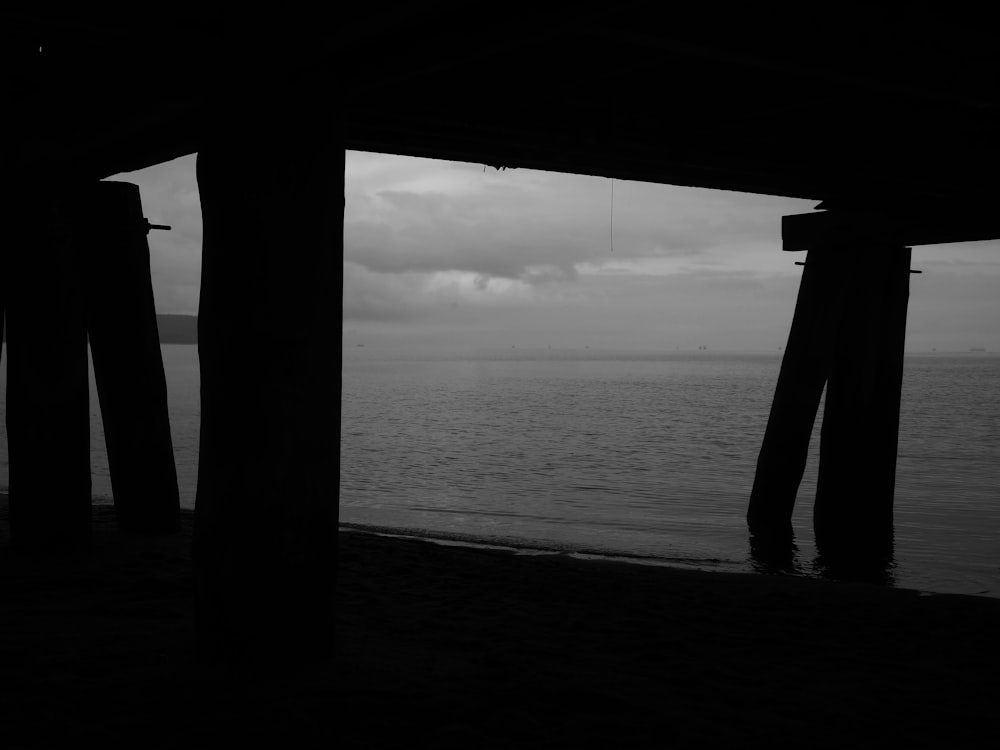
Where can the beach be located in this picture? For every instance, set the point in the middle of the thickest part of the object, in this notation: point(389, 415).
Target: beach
point(102, 648)
point(454, 645)
point(503, 650)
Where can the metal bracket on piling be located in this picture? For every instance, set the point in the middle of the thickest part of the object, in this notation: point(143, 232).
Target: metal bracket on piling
point(154, 226)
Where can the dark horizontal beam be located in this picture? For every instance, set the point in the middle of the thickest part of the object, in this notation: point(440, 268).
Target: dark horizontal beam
point(563, 92)
point(685, 172)
point(930, 227)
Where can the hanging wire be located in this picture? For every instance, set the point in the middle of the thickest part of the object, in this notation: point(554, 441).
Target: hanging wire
point(613, 144)
point(612, 215)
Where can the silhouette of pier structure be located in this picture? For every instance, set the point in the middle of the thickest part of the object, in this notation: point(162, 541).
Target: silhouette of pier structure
point(887, 118)
point(77, 268)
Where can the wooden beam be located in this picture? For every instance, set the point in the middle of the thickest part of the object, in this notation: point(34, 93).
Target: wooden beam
point(891, 228)
point(269, 330)
point(128, 364)
point(48, 396)
point(857, 467)
point(847, 334)
point(804, 370)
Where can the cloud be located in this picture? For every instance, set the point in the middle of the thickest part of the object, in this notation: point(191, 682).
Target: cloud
point(426, 297)
point(614, 312)
point(373, 296)
point(451, 253)
point(490, 233)
point(534, 227)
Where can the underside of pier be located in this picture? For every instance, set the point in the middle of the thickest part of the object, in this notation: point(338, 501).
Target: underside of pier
point(886, 117)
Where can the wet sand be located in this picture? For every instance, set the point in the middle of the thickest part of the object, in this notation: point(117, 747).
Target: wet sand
point(484, 648)
point(502, 650)
point(102, 648)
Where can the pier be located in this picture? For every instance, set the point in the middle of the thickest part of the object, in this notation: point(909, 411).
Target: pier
point(886, 120)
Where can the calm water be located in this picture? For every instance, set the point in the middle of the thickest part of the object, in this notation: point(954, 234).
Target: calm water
point(181, 366)
point(652, 455)
point(649, 455)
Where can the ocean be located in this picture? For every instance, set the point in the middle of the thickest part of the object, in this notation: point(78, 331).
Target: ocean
point(180, 364)
point(646, 456)
point(652, 456)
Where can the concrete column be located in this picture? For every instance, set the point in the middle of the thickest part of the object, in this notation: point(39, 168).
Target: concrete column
point(48, 409)
point(857, 471)
point(804, 369)
point(269, 331)
point(128, 365)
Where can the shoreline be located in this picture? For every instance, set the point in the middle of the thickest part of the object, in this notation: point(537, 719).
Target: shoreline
point(810, 570)
point(527, 546)
point(488, 648)
point(568, 649)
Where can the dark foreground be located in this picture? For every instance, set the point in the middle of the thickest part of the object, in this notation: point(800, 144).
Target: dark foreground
point(481, 648)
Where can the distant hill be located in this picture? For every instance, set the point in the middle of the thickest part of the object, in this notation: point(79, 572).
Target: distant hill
point(174, 329)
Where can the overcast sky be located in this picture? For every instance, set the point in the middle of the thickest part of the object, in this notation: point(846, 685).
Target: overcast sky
point(441, 254)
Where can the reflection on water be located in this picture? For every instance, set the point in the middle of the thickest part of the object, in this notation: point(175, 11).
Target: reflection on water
point(860, 559)
point(775, 552)
point(857, 568)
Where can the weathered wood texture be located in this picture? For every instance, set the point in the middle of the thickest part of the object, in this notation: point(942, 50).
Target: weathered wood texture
point(48, 409)
point(128, 364)
point(269, 330)
point(804, 369)
point(858, 443)
point(847, 335)
point(933, 225)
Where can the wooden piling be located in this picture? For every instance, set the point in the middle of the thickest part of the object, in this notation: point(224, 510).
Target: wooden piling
point(128, 364)
point(48, 396)
point(804, 369)
point(847, 336)
point(857, 470)
point(269, 331)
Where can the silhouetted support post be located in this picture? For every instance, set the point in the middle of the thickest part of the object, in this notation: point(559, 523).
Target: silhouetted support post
point(3, 291)
point(804, 369)
point(857, 469)
point(48, 396)
point(269, 331)
point(128, 364)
